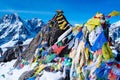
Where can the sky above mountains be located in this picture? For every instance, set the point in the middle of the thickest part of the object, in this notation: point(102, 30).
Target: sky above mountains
point(76, 11)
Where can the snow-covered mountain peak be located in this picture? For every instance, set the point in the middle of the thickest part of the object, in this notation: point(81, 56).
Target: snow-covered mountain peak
point(10, 18)
point(34, 22)
point(115, 31)
point(116, 24)
point(13, 28)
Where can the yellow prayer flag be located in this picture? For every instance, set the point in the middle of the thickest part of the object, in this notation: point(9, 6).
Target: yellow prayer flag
point(114, 13)
point(93, 22)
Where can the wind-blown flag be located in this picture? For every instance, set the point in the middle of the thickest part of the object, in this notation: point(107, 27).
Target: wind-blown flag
point(79, 35)
point(114, 13)
point(93, 22)
point(99, 42)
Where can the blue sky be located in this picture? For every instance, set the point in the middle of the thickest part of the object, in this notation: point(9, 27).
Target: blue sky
point(76, 11)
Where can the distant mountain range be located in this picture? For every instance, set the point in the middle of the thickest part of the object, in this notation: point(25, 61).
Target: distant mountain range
point(13, 28)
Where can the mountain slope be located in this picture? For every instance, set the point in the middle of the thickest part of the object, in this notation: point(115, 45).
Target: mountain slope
point(13, 28)
point(115, 31)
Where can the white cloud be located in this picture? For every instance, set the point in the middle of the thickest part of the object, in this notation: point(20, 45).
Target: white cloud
point(24, 11)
